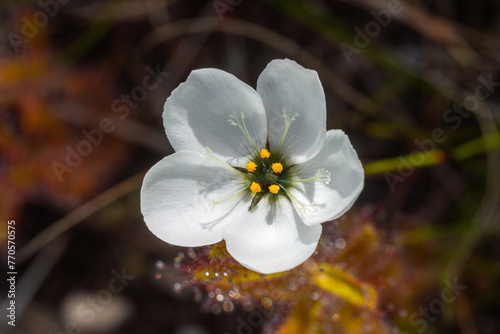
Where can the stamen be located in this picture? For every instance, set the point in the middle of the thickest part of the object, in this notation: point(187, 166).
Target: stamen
point(322, 175)
point(274, 188)
point(288, 121)
point(251, 166)
point(233, 119)
point(264, 153)
point(209, 154)
point(303, 206)
point(277, 167)
point(255, 187)
point(214, 203)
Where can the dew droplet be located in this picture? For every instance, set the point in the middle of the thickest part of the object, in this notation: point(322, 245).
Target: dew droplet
point(228, 306)
point(158, 276)
point(395, 330)
point(220, 298)
point(277, 319)
point(267, 303)
point(160, 264)
point(191, 253)
point(340, 243)
point(315, 295)
point(216, 309)
point(336, 317)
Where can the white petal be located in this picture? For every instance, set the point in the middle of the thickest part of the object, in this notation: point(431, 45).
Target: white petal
point(271, 238)
point(176, 199)
point(287, 87)
point(197, 115)
point(346, 181)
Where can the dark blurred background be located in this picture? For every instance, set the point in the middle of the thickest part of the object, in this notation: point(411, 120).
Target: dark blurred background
point(415, 85)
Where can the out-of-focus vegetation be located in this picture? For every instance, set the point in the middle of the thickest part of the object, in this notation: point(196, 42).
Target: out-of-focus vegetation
point(415, 85)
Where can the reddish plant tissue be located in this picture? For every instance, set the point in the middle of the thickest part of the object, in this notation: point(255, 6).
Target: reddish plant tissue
point(353, 283)
point(35, 139)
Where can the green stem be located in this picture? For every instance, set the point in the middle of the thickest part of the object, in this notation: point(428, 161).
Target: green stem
point(434, 157)
point(94, 34)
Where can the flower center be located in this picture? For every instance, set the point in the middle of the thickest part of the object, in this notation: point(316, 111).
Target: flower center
point(269, 174)
point(266, 175)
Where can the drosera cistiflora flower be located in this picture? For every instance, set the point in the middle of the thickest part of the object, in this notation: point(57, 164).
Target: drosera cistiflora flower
point(254, 168)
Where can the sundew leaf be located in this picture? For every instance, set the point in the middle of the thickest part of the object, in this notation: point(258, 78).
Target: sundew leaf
point(362, 244)
point(220, 265)
point(303, 318)
point(346, 286)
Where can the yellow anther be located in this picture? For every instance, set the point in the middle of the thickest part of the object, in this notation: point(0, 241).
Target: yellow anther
point(277, 167)
point(274, 188)
point(251, 166)
point(264, 153)
point(255, 187)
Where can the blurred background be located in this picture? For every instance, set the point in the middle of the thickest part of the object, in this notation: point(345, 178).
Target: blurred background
point(415, 84)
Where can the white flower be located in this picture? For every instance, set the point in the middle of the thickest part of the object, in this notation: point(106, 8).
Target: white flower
point(255, 168)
